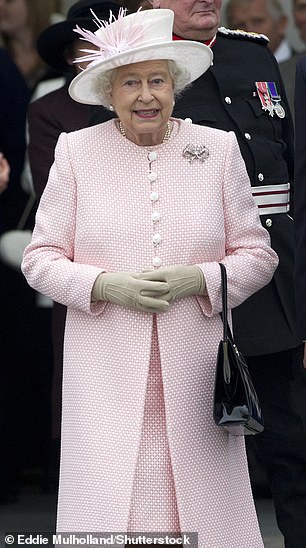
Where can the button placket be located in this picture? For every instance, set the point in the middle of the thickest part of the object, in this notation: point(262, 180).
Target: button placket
point(155, 215)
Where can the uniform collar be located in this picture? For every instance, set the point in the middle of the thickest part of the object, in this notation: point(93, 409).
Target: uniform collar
point(208, 43)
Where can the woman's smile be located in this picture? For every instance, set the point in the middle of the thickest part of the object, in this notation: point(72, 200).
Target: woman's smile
point(152, 113)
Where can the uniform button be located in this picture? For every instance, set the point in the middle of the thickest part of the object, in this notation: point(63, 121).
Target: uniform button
point(152, 156)
point(269, 223)
point(157, 261)
point(154, 196)
point(260, 177)
point(188, 120)
point(156, 239)
point(155, 216)
point(152, 176)
point(228, 100)
point(247, 136)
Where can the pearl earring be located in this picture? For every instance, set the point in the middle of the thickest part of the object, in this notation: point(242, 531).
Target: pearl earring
point(111, 108)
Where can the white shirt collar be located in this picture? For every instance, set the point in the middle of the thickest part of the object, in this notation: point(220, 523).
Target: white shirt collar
point(283, 51)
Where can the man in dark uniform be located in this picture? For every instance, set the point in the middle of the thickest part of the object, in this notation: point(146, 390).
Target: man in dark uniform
point(243, 92)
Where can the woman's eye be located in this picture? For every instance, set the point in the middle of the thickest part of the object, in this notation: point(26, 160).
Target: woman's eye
point(131, 83)
point(157, 81)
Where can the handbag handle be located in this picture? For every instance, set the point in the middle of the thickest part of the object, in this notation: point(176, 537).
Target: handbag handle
point(224, 302)
point(227, 333)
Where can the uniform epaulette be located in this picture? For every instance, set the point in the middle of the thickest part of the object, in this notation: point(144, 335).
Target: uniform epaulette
point(244, 35)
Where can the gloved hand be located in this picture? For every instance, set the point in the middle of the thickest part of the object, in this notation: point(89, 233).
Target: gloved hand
point(183, 281)
point(129, 290)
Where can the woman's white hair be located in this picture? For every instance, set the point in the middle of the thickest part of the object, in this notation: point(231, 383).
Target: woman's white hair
point(103, 84)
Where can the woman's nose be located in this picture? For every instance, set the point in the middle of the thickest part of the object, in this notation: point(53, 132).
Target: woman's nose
point(145, 95)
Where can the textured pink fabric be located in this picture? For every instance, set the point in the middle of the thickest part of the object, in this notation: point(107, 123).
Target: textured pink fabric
point(95, 215)
point(153, 504)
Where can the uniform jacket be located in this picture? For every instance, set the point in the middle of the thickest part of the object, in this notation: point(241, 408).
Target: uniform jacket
point(101, 220)
point(300, 193)
point(225, 97)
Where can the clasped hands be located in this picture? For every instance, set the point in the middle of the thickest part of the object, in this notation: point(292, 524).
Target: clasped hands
point(149, 291)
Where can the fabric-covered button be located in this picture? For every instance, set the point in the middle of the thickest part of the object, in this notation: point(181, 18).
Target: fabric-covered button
point(152, 156)
point(155, 216)
point(188, 120)
point(154, 196)
point(152, 176)
point(156, 239)
point(157, 261)
point(269, 223)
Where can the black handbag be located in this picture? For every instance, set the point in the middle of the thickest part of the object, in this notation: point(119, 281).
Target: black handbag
point(236, 405)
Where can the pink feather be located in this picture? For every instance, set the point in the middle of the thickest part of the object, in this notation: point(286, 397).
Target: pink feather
point(115, 39)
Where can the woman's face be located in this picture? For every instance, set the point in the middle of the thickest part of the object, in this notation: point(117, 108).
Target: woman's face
point(142, 96)
point(13, 16)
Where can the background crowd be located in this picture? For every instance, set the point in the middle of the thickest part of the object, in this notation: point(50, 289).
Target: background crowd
point(34, 110)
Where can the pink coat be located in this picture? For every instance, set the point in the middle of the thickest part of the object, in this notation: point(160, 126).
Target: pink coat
point(95, 215)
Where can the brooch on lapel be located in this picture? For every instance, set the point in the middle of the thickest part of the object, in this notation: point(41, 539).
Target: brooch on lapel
point(196, 152)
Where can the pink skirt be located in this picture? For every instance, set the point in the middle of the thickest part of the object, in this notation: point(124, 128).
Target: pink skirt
point(153, 504)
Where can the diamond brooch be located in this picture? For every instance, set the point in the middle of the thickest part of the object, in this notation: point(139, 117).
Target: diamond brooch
point(196, 152)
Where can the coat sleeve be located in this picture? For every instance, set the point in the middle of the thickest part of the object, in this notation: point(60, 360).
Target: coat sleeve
point(300, 194)
point(43, 135)
point(249, 259)
point(48, 262)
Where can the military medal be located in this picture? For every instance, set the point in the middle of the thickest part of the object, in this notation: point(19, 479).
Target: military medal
point(270, 98)
point(264, 96)
point(276, 99)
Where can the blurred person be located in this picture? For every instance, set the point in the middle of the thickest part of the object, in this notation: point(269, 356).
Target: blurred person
point(55, 112)
point(267, 17)
point(21, 22)
point(238, 97)
point(13, 108)
point(299, 14)
point(300, 195)
point(139, 453)
point(48, 116)
point(264, 17)
point(14, 99)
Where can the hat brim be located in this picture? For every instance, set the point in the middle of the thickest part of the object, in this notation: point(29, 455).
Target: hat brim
point(195, 57)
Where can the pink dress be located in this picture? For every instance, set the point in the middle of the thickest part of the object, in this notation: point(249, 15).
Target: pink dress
point(153, 504)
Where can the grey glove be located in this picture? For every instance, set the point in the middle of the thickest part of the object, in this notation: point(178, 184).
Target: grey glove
point(129, 290)
point(183, 281)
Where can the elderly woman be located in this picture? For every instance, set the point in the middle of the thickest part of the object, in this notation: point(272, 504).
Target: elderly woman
point(131, 245)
